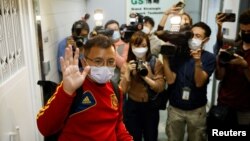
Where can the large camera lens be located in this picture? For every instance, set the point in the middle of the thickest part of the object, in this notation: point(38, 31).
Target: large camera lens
point(141, 69)
point(79, 43)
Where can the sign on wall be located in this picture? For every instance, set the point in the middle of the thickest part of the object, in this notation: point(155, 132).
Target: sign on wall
point(152, 8)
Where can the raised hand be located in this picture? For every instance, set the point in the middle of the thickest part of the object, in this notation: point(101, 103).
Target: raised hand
point(220, 17)
point(196, 54)
point(72, 77)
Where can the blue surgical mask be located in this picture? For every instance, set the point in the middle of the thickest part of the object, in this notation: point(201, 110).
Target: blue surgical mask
point(116, 35)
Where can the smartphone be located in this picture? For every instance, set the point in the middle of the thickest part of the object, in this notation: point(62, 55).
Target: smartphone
point(230, 17)
point(180, 4)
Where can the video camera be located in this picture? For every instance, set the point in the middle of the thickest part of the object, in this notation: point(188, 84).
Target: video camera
point(178, 41)
point(136, 24)
point(227, 55)
point(140, 68)
point(76, 30)
point(101, 30)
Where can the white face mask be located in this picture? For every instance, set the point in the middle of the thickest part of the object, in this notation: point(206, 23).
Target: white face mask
point(116, 35)
point(102, 74)
point(139, 52)
point(194, 43)
point(146, 30)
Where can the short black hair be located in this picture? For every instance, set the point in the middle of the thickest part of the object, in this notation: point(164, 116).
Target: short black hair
point(111, 22)
point(203, 26)
point(245, 17)
point(99, 40)
point(149, 20)
point(83, 25)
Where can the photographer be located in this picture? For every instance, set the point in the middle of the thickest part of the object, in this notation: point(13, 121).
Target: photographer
point(234, 89)
point(121, 47)
point(220, 41)
point(79, 31)
point(137, 76)
point(175, 9)
point(155, 42)
point(188, 79)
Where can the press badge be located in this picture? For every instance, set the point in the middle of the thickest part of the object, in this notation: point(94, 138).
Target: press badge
point(186, 93)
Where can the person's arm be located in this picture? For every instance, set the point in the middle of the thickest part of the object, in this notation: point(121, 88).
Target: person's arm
point(121, 131)
point(49, 122)
point(170, 76)
point(155, 81)
point(219, 36)
point(220, 70)
point(200, 75)
point(243, 64)
point(121, 59)
point(165, 16)
point(126, 75)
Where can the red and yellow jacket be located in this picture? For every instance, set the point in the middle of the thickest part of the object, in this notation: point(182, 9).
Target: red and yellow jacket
point(98, 117)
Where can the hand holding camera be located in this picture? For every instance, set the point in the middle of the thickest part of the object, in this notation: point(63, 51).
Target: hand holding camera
point(175, 9)
point(196, 54)
point(139, 66)
point(233, 56)
point(239, 60)
point(131, 66)
point(230, 53)
point(225, 17)
point(71, 41)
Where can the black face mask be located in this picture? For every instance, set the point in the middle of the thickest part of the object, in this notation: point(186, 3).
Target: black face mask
point(245, 37)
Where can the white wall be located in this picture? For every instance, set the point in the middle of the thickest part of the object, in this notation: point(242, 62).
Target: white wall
point(57, 17)
point(20, 96)
point(112, 9)
point(231, 6)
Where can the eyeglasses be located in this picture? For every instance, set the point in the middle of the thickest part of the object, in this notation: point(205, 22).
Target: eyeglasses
point(100, 62)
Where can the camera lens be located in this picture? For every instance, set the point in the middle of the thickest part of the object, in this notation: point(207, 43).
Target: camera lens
point(143, 72)
point(79, 42)
point(141, 69)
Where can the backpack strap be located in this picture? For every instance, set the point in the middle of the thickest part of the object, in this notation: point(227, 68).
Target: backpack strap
point(152, 62)
point(116, 89)
point(77, 100)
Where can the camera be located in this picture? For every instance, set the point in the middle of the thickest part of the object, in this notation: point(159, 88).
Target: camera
point(80, 41)
point(180, 4)
point(136, 24)
point(178, 41)
point(76, 30)
point(229, 17)
point(101, 30)
point(227, 55)
point(140, 68)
